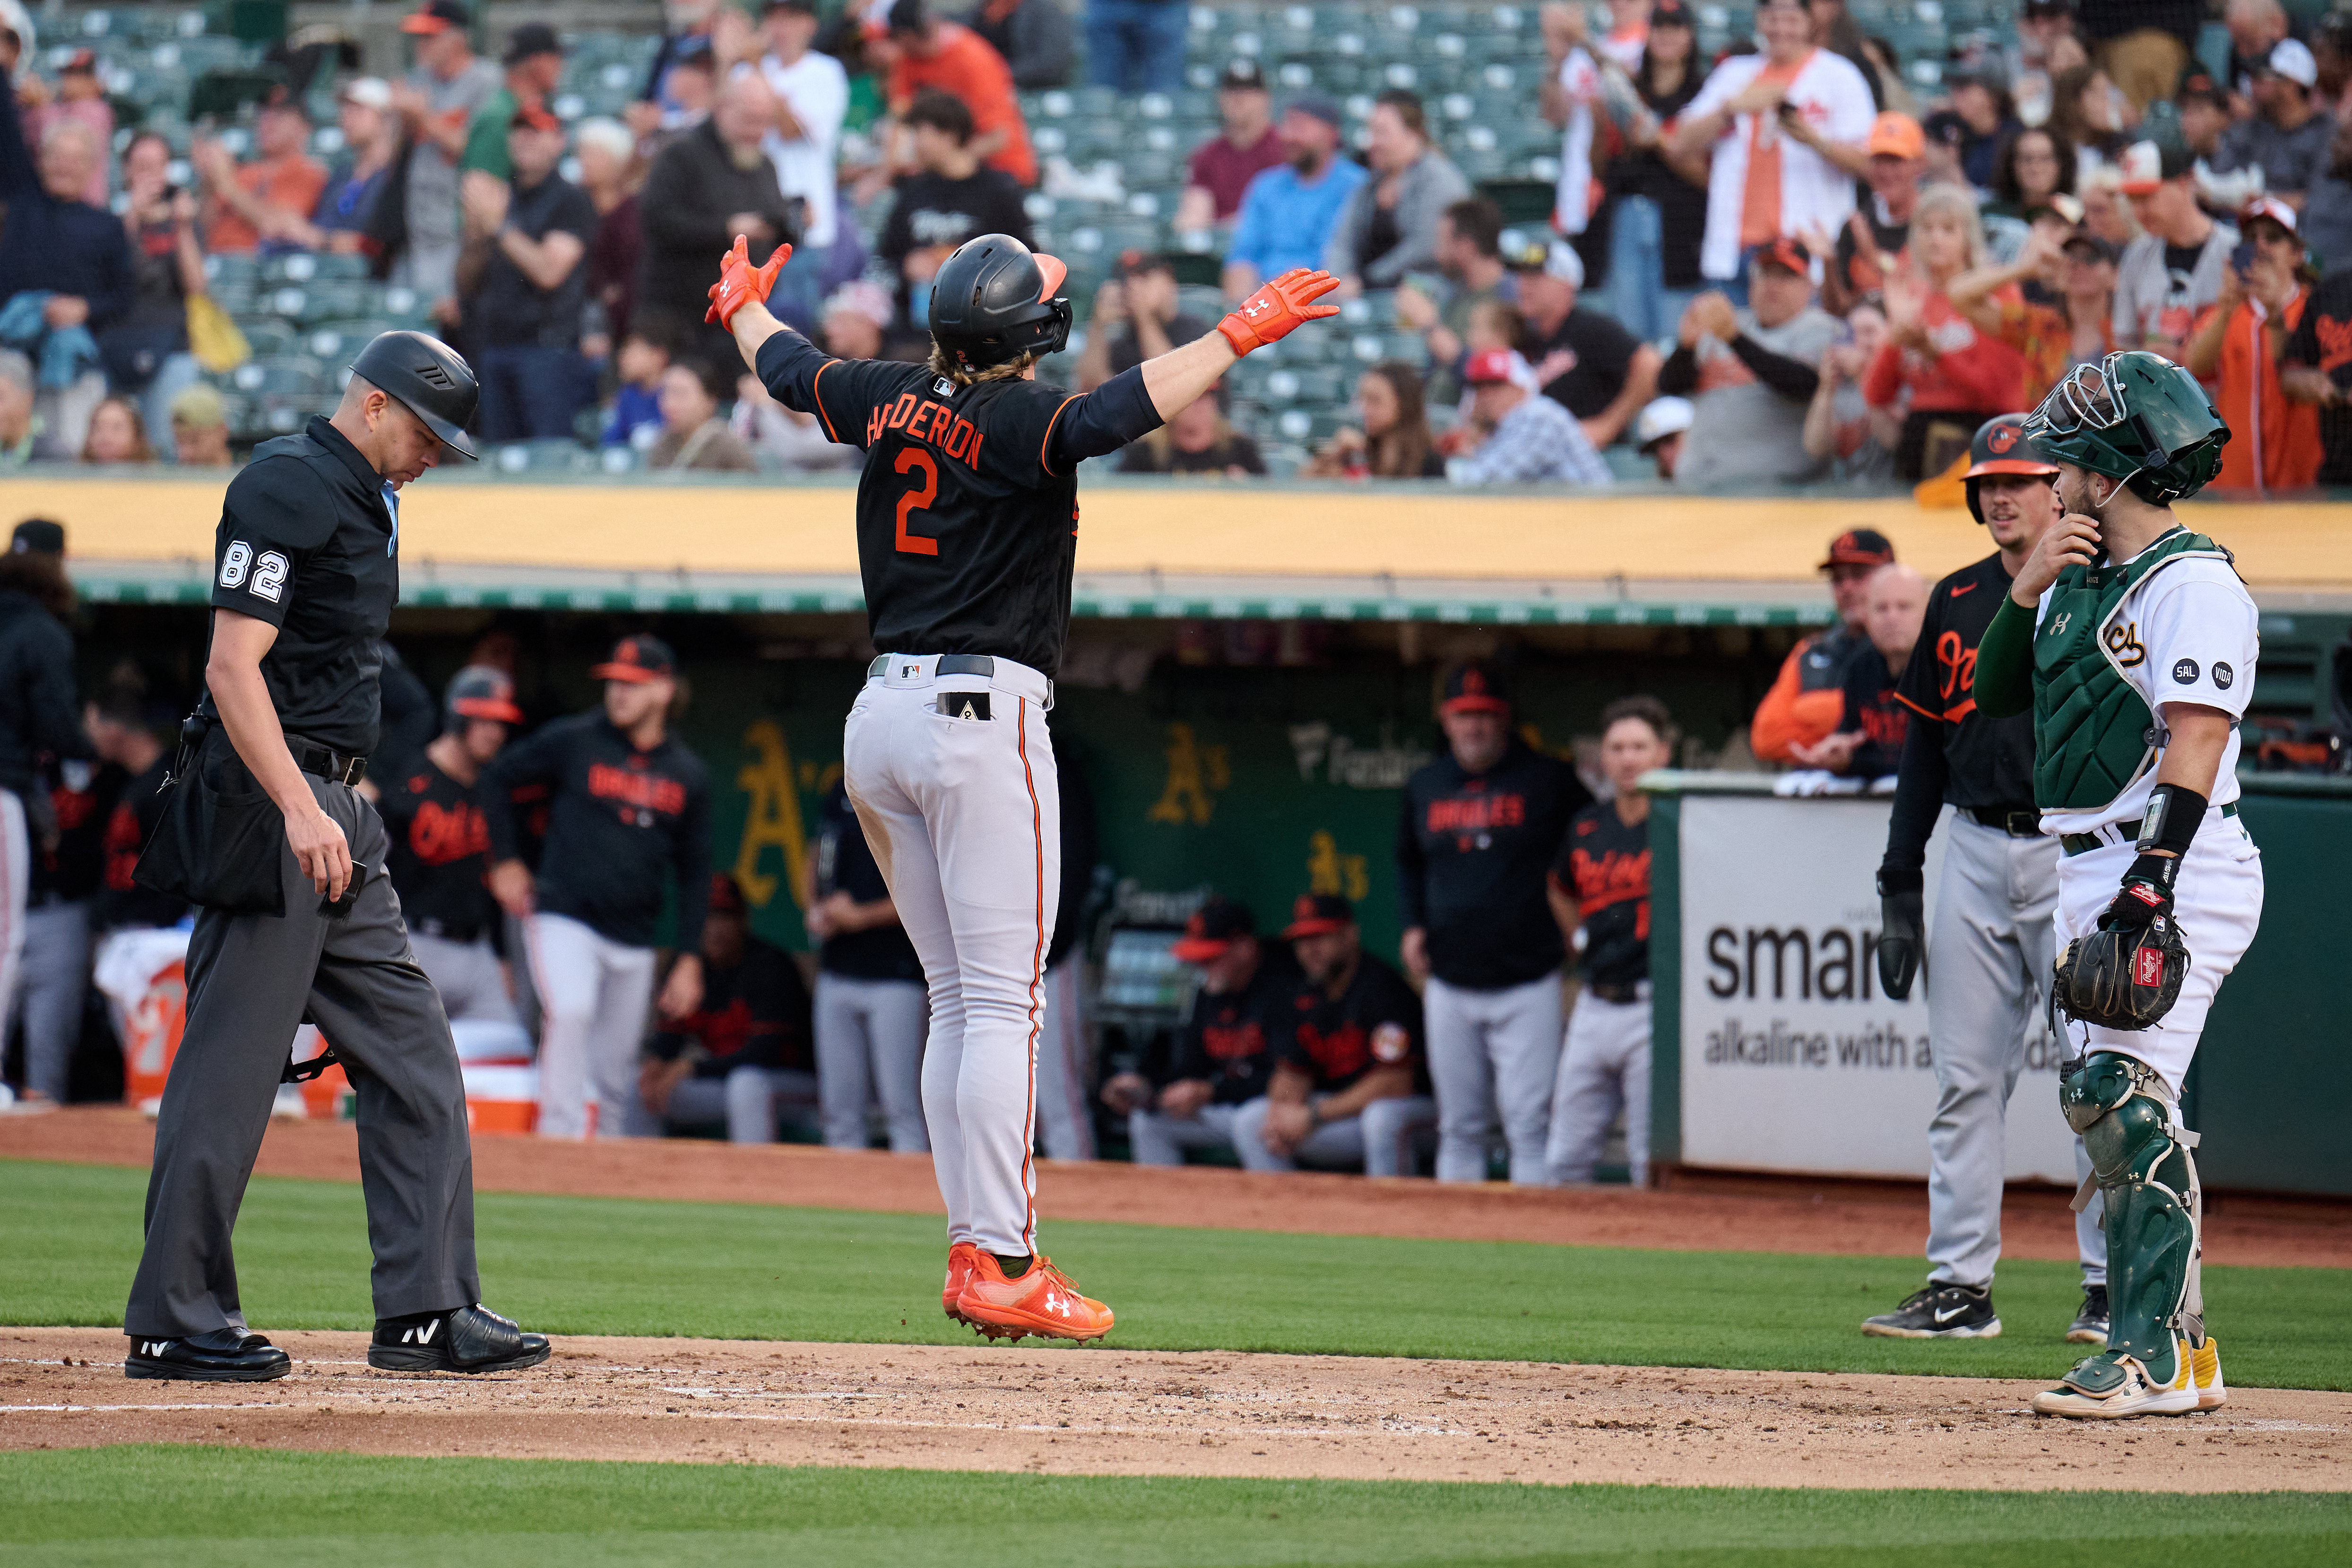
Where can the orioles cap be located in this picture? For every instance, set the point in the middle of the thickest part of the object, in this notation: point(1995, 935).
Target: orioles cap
point(1859, 547)
point(1214, 927)
point(1318, 914)
point(1474, 687)
point(637, 659)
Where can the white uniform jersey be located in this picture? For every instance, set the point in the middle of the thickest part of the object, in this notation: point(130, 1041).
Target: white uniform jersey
point(2187, 634)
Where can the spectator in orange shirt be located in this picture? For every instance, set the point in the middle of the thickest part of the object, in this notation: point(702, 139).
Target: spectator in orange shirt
point(1958, 377)
point(262, 205)
point(920, 51)
point(2073, 323)
point(1808, 698)
point(2275, 443)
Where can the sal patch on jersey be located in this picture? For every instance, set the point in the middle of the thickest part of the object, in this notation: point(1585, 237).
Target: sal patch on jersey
point(1390, 1042)
point(964, 704)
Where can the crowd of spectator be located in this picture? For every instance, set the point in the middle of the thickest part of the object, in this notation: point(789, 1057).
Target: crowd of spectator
point(1839, 270)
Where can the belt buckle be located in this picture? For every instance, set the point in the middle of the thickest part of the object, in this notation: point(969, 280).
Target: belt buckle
point(2022, 825)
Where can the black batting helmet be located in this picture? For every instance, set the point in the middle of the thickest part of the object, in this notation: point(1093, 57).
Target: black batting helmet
point(428, 378)
point(479, 692)
point(1999, 447)
point(993, 301)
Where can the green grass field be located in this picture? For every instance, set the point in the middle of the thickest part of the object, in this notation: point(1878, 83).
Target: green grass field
point(606, 1266)
point(195, 1507)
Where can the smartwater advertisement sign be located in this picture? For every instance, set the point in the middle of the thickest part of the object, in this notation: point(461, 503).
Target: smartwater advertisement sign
point(1792, 1056)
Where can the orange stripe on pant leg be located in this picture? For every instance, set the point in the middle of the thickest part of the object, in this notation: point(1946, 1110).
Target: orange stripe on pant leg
point(1036, 979)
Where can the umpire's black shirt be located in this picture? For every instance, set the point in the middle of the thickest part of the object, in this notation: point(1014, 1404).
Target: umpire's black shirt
point(307, 542)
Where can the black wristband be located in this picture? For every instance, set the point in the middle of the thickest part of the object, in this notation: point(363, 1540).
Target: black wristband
point(2161, 869)
point(1895, 879)
point(2174, 814)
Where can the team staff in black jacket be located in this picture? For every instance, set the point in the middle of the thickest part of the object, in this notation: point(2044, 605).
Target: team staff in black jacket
point(441, 858)
point(631, 813)
point(1480, 828)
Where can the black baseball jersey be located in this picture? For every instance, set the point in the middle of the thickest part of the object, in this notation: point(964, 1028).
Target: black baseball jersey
point(121, 899)
point(1604, 866)
point(845, 864)
point(1472, 853)
point(308, 541)
point(81, 798)
point(968, 506)
point(1956, 752)
point(1872, 709)
point(623, 825)
point(440, 852)
point(754, 1013)
point(1228, 1036)
point(1374, 1023)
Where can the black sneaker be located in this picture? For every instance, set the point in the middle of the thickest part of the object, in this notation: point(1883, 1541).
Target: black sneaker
point(2090, 1324)
point(221, 1355)
point(467, 1339)
point(1939, 1312)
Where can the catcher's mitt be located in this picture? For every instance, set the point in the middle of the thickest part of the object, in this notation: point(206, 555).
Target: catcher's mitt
point(2126, 979)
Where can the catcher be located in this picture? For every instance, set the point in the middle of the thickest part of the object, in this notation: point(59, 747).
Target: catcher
point(2133, 641)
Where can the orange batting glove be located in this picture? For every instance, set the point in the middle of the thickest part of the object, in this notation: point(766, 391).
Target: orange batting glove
point(1278, 308)
point(741, 283)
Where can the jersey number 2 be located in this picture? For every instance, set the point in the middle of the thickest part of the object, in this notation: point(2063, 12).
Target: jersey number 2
point(915, 499)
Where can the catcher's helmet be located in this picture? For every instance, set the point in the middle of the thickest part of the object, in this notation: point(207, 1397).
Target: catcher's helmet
point(991, 300)
point(1999, 447)
point(428, 378)
point(479, 692)
point(2135, 417)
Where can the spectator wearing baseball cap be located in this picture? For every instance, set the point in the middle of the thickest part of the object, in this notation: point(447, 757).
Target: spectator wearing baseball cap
point(1583, 360)
point(1783, 131)
point(1135, 319)
point(1288, 212)
point(1808, 698)
point(437, 103)
point(199, 422)
point(1751, 373)
point(1528, 438)
point(1658, 433)
point(2204, 109)
point(1246, 145)
point(2238, 345)
point(1897, 150)
point(2289, 136)
point(533, 63)
point(2174, 270)
point(352, 217)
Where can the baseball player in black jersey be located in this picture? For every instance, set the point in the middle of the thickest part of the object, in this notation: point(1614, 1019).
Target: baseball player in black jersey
point(265, 830)
point(441, 859)
point(967, 530)
point(1602, 882)
point(1480, 828)
point(1990, 961)
point(127, 729)
point(1350, 1082)
point(630, 813)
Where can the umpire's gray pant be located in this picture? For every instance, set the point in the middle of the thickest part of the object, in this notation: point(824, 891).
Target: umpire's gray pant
point(1990, 956)
point(252, 980)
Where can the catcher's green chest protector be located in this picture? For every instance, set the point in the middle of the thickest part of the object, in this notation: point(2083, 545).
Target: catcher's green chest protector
point(2094, 733)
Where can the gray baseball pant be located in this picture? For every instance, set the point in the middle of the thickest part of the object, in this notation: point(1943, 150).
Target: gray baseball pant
point(252, 980)
point(593, 996)
point(748, 1099)
point(1490, 1045)
point(51, 981)
point(1065, 1122)
point(1386, 1136)
point(869, 1043)
point(1604, 1068)
point(1161, 1139)
point(1990, 956)
point(471, 979)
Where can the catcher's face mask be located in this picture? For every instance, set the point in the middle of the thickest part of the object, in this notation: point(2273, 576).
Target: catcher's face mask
point(2088, 399)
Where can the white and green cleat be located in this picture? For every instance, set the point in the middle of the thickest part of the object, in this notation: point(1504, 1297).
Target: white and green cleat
point(2115, 1385)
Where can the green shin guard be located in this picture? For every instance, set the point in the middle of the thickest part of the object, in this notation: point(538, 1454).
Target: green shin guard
point(2154, 1213)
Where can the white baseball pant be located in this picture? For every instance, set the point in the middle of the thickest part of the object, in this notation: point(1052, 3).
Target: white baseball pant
point(472, 983)
point(1161, 1140)
point(1604, 1067)
point(963, 816)
point(592, 994)
point(2218, 899)
point(1490, 1045)
point(1387, 1136)
point(1065, 1122)
point(869, 1046)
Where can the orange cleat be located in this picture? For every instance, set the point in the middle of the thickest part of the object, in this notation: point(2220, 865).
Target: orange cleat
point(1042, 1301)
point(960, 1267)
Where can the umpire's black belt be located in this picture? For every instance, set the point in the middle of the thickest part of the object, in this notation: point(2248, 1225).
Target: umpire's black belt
point(2017, 821)
point(2126, 833)
point(327, 765)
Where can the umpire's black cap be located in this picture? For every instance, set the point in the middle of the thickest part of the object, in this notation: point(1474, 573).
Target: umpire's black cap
point(428, 378)
point(993, 299)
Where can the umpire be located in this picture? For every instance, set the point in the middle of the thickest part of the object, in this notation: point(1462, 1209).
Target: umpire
point(297, 919)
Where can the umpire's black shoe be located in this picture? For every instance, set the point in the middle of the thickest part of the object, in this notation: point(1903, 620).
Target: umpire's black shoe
point(1939, 1312)
point(222, 1355)
point(2090, 1324)
point(467, 1339)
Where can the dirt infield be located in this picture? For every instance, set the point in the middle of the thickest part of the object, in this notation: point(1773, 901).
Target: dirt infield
point(1696, 1213)
point(1107, 1412)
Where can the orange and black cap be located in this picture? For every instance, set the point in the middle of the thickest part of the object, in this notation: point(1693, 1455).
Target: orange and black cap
point(726, 894)
point(638, 659)
point(1999, 447)
point(1859, 547)
point(437, 16)
point(1214, 927)
point(1318, 914)
point(1474, 687)
point(481, 691)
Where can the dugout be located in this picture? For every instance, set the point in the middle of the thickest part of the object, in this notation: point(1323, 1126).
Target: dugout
point(1252, 670)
